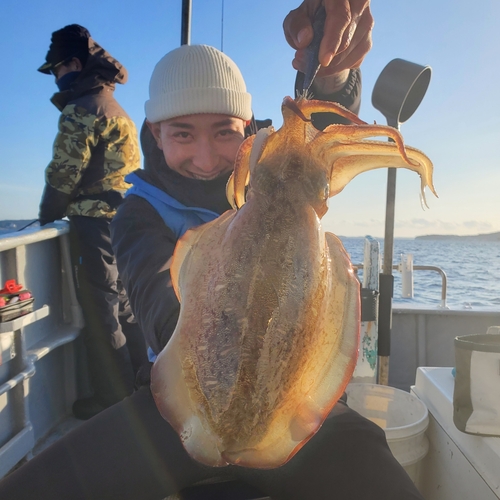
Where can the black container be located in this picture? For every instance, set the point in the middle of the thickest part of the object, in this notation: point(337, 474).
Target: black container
point(368, 304)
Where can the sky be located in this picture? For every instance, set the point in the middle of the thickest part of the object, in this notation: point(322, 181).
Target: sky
point(457, 124)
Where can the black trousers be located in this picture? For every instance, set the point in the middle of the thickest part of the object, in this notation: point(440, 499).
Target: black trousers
point(115, 345)
point(128, 452)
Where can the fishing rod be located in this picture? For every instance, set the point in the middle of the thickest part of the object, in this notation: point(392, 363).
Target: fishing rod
point(186, 22)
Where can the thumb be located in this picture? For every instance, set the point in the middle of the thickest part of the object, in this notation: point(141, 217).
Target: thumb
point(297, 28)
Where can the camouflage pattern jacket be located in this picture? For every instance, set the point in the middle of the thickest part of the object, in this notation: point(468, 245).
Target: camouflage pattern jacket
point(96, 145)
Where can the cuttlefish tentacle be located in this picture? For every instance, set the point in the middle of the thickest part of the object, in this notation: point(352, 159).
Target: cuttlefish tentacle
point(345, 148)
point(356, 133)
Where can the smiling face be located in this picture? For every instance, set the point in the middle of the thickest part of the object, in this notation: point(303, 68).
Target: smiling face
point(201, 146)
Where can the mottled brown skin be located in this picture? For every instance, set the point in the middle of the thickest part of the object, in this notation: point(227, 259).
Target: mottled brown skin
point(268, 332)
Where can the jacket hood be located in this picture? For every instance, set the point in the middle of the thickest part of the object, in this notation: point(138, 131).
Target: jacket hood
point(101, 70)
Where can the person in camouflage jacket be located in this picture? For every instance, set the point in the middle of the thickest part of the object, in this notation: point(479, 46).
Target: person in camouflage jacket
point(95, 148)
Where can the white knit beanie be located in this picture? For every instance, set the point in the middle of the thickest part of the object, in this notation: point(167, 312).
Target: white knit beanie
point(197, 79)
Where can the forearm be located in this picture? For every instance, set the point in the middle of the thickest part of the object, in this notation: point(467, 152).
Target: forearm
point(143, 245)
point(73, 147)
point(330, 84)
point(69, 157)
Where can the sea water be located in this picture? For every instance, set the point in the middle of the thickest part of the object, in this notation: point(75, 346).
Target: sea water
point(472, 270)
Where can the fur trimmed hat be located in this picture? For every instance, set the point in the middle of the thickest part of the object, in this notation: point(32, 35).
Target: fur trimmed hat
point(70, 41)
point(196, 79)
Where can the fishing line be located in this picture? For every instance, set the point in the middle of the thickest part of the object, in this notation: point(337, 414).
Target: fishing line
point(27, 225)
point(252, 127)
point(222, 28)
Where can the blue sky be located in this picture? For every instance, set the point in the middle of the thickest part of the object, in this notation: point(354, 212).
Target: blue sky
point(457, 125)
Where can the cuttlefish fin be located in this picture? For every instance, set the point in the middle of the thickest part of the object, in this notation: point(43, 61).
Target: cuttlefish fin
point(175, 404)
point(341, 351)
point(184, 247)
point(181, 251)
point(306, 421)
point(344, 295)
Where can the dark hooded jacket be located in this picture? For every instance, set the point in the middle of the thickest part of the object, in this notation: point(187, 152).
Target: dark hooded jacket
point(96, 146)
point(143, 243)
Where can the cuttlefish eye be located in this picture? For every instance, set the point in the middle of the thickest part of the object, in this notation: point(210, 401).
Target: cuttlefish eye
point(316, 186)
point(322, 206)
point(291, 104)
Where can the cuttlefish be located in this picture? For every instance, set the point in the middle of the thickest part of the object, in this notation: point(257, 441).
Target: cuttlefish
point(267, 337)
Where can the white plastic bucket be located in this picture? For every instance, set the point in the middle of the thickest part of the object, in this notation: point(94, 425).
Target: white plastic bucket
point(403, 417)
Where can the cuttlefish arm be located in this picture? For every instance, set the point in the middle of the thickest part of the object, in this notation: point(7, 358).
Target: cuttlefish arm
point(247, 156)
point(331, 147)
point(184, 248)
point(235, 188)
point(345, 168)
point(344, 149)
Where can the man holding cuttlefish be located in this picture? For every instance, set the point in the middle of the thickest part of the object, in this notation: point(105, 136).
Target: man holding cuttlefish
point(198, 115)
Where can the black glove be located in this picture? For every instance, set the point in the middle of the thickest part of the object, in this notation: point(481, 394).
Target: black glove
point(53, 205)
point(44, 221)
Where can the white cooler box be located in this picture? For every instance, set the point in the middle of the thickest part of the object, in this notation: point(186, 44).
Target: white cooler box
point(458, 466)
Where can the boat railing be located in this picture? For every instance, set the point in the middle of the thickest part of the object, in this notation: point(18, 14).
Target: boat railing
point(12, 240)
point(13, 254)
point(38, 375)
point(444, 280)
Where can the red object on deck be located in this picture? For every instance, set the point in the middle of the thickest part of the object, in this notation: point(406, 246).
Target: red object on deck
point(11, 287)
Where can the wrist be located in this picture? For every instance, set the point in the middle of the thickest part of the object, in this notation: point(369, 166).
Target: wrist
point(330, 84)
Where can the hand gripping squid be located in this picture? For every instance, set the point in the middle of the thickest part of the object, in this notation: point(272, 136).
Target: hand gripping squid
point(267, 337)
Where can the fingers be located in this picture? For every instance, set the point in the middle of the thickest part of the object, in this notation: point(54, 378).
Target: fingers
point(345, 19)
point(347, 35)
point(297, 24)
point(351, 59)
point(359, 46)
point(338, 30)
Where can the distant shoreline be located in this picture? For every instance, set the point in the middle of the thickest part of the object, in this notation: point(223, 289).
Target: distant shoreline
point(477, 237)
point(11, 225)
